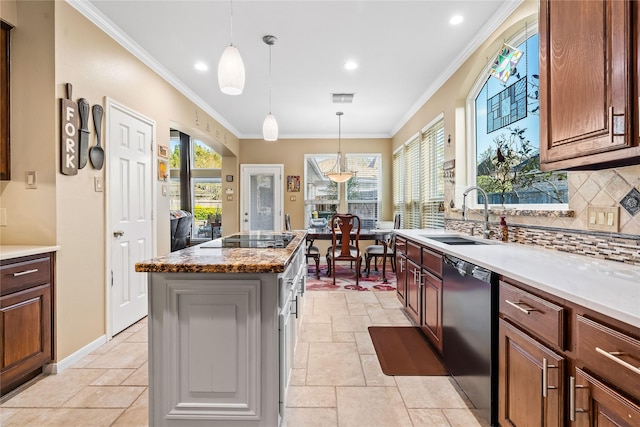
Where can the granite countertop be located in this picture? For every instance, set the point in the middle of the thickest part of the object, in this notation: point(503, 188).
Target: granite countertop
point(16, 251)
point(609, 287)
point(210, 257)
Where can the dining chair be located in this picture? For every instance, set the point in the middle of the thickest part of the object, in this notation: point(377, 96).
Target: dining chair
point(312, 251)
point(345, 243)
point(376, 251)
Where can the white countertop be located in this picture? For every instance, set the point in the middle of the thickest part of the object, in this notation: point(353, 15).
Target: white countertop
point(15, 251)
point(609, 287)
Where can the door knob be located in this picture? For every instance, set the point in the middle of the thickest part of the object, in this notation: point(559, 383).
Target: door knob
point(118, 234)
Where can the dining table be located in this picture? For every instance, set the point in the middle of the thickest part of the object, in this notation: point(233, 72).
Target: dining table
point(377, 234)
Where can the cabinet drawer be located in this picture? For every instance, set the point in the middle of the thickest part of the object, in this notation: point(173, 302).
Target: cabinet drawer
point(432, 261)
point(539, 317)
point(610, 354)
point(401, 245)
point(414, 252)
point(24, 274)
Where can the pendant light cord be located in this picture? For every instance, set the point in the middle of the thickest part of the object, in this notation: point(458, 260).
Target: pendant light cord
point(270, 77)
point(231, 26)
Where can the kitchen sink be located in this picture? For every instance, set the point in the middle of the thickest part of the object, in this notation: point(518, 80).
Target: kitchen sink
point(454, 240)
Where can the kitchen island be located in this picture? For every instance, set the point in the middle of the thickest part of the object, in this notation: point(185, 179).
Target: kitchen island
point(222, 329)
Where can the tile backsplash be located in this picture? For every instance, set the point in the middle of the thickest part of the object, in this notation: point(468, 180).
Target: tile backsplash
point(569, 232)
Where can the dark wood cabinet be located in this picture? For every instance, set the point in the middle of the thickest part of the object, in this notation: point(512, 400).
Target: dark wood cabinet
point(531, 380)
point(588, 84)
point(5, 118)
point(401, 269)
point(431, 323)
point(26, 318)
point(414, 291)
point(594, 404)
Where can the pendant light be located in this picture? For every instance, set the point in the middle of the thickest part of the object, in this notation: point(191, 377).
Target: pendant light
point(339, 172)
point(270, 125)
point(231, 68)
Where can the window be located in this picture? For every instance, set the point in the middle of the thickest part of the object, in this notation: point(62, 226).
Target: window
point(201, 169)
point(363, 190)
point(206, 188)
point(505, 141)
point(320, 193)
point(418, 180)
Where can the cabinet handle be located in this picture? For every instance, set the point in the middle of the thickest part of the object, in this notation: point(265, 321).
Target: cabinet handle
point(291, 309)
point(612, 355)
point(22, 273)
point(401, 265)
point(517, 305)
point(572, 399)
point(545, 376)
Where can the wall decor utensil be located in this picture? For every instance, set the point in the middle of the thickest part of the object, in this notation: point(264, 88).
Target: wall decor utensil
point(96, 153)
point(69, 122)
point(83, 107)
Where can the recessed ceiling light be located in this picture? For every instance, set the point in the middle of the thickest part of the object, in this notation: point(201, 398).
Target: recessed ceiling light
point(456, 19)
point(200, 66)
point(350, 65)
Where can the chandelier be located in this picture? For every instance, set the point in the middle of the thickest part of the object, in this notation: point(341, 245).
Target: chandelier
point(339, 172)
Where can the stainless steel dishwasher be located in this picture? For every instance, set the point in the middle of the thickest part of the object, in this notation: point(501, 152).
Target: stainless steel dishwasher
point(470, 329)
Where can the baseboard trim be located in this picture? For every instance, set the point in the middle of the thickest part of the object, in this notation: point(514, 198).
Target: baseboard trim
point(67, 362)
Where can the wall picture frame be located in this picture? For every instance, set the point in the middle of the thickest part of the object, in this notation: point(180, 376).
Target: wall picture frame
point(163, 151)
point(163, 170)
point(293, 183)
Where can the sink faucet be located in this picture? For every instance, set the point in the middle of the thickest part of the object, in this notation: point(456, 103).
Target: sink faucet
point(486, 232)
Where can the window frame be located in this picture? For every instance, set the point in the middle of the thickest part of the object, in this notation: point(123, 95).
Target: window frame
point(377, 202)
point(471, 154)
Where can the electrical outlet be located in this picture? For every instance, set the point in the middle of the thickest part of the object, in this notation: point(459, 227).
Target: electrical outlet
point(603, 218)
point(3, 217)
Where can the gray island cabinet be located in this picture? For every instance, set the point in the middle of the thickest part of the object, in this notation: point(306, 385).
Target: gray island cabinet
point(223, 324)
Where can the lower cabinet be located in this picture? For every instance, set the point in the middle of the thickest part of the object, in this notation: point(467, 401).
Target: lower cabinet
point(531, 380)
point(401, 269)
point(563, 364)
point(593, 403)
point(414, 288)
point(431, 323)
point(25, 319)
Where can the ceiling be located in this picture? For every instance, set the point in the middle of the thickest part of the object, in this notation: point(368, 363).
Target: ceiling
point(404, 51)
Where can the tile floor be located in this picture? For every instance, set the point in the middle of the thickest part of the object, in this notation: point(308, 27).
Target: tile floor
point(337, 380)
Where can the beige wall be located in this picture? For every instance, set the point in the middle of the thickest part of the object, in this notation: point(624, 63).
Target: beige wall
point(290, 152)
point(600, 188)
point(52, 45)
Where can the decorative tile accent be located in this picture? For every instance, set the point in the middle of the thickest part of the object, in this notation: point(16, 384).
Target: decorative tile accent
point(631, 202)
point(611, 246)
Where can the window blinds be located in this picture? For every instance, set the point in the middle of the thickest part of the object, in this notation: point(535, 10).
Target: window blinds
point(432, 177)
point(412, 184)
point(398, 185)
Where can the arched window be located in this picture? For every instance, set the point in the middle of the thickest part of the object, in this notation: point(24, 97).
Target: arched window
point(505, 135)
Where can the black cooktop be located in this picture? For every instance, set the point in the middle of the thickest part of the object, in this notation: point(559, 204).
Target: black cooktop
point(258, 239)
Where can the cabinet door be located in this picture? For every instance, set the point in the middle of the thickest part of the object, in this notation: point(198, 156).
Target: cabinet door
point(25, 343)
point(531, 385)
point(432, 308)
point(401, 273)
point(593, 403)
point(414, 300)
point(586, 83)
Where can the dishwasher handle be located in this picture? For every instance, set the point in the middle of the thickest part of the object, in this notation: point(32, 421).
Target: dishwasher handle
point(458, 264)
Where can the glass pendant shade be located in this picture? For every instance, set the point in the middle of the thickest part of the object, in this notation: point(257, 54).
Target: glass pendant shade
point(270, 128)
point(231, 71)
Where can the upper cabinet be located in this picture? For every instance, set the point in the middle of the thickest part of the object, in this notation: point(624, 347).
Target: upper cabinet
point(5, 153)
point(589, 104)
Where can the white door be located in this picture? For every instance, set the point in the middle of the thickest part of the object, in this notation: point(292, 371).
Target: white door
point(130, 182)
point(261, 197)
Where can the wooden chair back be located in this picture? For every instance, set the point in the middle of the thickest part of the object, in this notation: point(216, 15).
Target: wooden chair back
point(345, 230)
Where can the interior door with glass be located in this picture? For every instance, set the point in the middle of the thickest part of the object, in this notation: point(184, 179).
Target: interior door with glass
point(261, 197)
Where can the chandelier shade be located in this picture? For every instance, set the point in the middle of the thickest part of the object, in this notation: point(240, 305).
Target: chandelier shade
point(339, 172)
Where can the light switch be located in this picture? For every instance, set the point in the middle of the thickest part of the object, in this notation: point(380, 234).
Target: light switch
point(164, 189)
point(603, 218)
point(31, 178)
point(98, 184)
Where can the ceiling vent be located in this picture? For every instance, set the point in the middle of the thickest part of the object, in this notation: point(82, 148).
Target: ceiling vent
point(342, 98)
